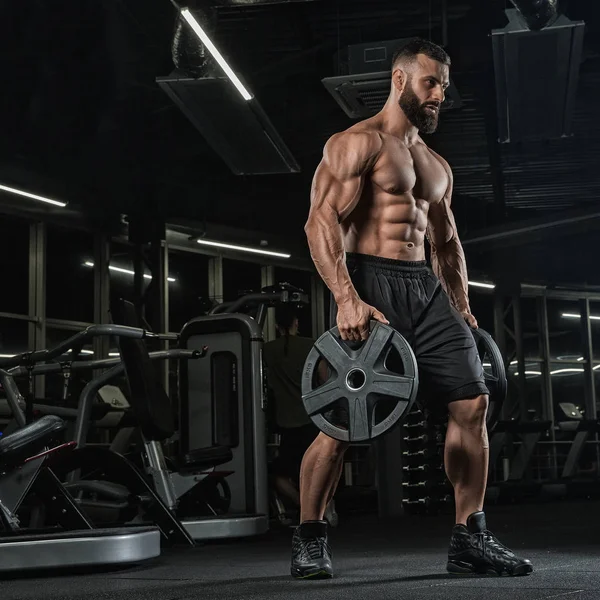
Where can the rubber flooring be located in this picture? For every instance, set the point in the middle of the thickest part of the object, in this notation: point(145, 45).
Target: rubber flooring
point(396, 559)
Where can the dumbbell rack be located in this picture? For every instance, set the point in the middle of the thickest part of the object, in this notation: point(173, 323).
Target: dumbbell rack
point(425, 487)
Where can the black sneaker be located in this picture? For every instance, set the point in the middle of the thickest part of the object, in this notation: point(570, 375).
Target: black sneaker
point(473, 549)
point(311, 556)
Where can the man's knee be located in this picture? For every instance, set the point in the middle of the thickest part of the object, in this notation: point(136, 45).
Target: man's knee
point(470, 413)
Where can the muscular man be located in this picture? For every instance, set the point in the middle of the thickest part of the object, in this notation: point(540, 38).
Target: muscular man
point(377, 193)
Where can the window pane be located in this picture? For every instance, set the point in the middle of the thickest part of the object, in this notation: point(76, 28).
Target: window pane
point(121, 271)
point(482, 306)
point(188, 294)
point(568, 387)
point(239, 278)
point(595, 326)
point(564, 325)
point(14, 262)
point(69, 278)
point(13, 336)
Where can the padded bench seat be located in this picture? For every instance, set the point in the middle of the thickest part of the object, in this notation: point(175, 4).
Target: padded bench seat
point(24, 443)
point(203, 458)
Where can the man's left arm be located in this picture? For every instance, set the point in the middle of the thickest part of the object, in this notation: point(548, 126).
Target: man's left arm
point(447, 254)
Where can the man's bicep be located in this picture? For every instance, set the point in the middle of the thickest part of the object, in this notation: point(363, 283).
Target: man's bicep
point(441, 225)
point(334, 193)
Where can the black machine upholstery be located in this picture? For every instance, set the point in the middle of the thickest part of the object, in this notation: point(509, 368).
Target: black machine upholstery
point(148, 398)
point(29, 440)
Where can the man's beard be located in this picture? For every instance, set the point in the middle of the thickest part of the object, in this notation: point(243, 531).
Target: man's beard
point(415, 111)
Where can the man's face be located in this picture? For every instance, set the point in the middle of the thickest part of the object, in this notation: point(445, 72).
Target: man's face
point(424, 93)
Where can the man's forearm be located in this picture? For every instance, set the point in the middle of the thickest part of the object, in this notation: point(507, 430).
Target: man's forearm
point(450, 267)
point(326, 245)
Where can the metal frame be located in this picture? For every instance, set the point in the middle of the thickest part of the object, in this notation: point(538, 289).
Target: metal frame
point(542, 294)
point(215, 279)
point(267, 278)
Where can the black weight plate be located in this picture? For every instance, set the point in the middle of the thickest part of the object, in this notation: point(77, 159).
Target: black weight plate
point(382, 372)
point(495, 374)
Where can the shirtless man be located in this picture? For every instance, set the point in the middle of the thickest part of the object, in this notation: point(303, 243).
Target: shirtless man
point(377, 193)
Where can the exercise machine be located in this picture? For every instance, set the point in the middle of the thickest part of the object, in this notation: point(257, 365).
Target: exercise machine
point(27, 469)
point(109, 469)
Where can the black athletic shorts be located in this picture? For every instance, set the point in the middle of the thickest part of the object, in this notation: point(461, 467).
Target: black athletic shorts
point(413, 301)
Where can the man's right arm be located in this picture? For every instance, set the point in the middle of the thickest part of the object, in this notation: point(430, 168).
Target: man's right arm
point(336, 190)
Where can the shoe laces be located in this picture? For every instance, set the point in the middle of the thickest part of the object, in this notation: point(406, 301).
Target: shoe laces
point(489, 540)
point(315, 547)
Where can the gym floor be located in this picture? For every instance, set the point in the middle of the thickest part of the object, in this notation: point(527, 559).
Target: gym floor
point(402, 559)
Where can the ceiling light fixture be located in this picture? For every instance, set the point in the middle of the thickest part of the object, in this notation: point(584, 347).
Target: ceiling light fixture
point(193, 23)
point(89, 263)
point(243, 248)
point(32, 196)
point(489, 286)
point(576, 316)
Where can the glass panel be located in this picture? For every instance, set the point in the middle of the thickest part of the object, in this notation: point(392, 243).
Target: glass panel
point(14, 340)
point(188, 294)
point(14, 262)
point(533, 391)
point(568, 389)
point(564, 324)
point(13, 337)
point(239, 278)
point(70, 276)
point(121, 271)
point(595, 326)
point(482, 306)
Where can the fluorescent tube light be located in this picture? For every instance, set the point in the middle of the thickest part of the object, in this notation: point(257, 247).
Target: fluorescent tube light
point(189, 17)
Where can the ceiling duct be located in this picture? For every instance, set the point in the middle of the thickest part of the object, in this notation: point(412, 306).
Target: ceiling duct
point(188, 53)
point(537, 13)
point(364, 89)
point(218, 104)
point(537, 73)
point(243, 3)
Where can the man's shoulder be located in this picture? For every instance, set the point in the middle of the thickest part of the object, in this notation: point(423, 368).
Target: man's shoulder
point(365, 135)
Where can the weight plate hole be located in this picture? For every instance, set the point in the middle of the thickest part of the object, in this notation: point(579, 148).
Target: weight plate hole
point(356, 379)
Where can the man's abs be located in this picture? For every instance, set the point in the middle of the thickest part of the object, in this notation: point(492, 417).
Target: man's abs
point(390, 219)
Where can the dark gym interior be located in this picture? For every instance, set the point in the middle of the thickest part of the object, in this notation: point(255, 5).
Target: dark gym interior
point(157, 162)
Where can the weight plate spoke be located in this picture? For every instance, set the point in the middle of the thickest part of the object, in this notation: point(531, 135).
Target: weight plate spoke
point(375, 346)
point(330, 348)
point(321, 398)
point(392, 384)
point(360, 415)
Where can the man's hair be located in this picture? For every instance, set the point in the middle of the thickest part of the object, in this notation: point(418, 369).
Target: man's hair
point(409, 52)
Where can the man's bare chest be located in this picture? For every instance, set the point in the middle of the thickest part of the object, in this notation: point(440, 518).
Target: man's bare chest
point(417, 172)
